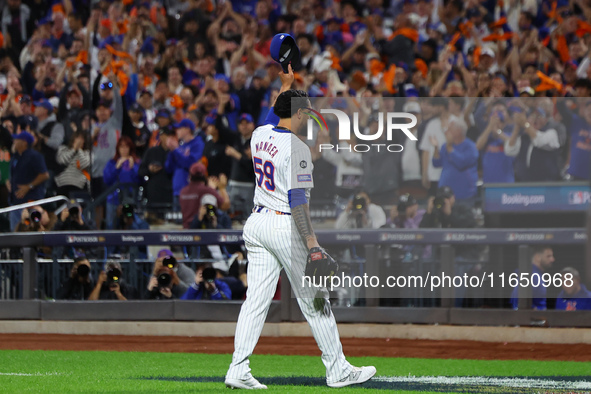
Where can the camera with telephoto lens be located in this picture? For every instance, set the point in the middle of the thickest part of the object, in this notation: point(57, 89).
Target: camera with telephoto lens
point(170, 262)
point(113, 276)
point(210, 214)
point(74, 212)
point(359, 207)
point(164, 280)
point(438, 204)
point(83, 270)
point(127, 210)
point(359, 204)
point(210, 211)
point(35, 216)
point(209, 274)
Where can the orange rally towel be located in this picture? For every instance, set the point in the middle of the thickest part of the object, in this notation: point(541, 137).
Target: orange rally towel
point(547, 83)
point(498, 37)
point(452, 42)
point(376, 67)
point(422, 67)
point(582, 28)
point(466, 29)
point(498, 24)
point(389, 78)
point(114, 52)
point(562, 49)
point(176, 101)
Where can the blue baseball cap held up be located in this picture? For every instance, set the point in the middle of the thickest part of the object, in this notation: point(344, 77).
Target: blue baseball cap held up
point(284, 50)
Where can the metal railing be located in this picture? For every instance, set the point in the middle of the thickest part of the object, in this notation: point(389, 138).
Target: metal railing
point(373, 243)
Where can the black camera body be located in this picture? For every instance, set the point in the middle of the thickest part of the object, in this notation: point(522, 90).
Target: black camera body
point(209, 274)
point(74, 212)
point(438, 204)
point(83, 270)
point(210, 211)
point(35, 216)
point(359, 204)
point(113, 276)
point(127, 210)
point(170, 262)
point(164, 280)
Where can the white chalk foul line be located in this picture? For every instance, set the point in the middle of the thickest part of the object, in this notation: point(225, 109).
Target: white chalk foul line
point(28, 374)
point(487, 381)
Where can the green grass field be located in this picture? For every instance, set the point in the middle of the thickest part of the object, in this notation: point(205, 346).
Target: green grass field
point(68, 371)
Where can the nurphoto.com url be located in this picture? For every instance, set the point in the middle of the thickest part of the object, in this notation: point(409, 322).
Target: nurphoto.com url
point(488, 280)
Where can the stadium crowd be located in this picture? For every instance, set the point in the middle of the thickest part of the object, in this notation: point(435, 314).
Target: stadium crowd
point(134, 93)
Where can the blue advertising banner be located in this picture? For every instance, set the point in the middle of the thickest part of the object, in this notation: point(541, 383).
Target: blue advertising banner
point(537, 197)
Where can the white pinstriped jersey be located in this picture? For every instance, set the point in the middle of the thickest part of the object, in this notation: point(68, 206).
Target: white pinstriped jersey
point(281, 162)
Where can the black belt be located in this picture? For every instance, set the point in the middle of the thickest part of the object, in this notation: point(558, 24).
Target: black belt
point(259, 209)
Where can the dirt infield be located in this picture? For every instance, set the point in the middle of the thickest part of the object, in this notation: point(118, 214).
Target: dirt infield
point(302, 346)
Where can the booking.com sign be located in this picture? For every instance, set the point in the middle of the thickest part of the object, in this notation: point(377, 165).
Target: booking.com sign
point(344, 131)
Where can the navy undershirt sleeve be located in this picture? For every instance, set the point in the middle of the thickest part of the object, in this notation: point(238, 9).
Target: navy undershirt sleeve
point(296, 197)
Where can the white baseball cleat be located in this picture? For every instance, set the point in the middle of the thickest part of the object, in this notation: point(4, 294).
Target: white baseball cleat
point(357, 376)
point(247, 384)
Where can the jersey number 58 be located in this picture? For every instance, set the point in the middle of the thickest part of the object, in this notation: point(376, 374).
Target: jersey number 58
point(265, 175)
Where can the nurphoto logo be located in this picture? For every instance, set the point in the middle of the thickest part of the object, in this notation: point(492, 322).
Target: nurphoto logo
point(344, 130)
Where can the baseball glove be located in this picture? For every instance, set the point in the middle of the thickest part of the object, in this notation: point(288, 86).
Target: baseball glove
point(320, 264)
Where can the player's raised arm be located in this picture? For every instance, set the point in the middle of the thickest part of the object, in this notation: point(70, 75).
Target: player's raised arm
point(286, 82)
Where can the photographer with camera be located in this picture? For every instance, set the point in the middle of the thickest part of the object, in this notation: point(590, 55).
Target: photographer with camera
point(163, 285)
point(165, 257)
point(199, 186)
point(184, 274)
point(36, 219)
point(443, 212)
point(207, 287)
point(209, 216)
point(111, 286)
point(406, 214)
point(127, 219)
point(71, 219)
point(80, 284)
point(361, 213)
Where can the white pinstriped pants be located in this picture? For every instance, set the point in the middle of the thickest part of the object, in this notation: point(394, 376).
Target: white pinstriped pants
point(273, 244)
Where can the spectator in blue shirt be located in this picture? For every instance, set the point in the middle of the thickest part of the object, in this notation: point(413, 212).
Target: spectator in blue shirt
point(123, 168)
point(541, 260)
point(207, 287)
point(579, 129)
point(497, 162)
point(458, 158)
point(28, 174)
point(183, 154)
point(575, 297)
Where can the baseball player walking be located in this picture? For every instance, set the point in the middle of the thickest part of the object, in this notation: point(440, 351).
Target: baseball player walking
point(279, 235)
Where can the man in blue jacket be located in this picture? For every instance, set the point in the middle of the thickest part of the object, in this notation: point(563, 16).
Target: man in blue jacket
point(28, 174)
point(207, 287)
point(184, 153)
point(574, 296)
point(459, 159)
point(541, 261)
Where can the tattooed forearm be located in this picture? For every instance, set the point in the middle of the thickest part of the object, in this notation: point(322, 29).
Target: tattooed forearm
point(301, 217)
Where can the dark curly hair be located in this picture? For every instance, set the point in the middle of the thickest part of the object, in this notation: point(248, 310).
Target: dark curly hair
point(285, 107)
